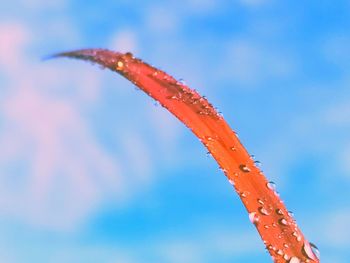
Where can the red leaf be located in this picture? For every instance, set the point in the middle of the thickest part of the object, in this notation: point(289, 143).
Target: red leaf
point(275, 224)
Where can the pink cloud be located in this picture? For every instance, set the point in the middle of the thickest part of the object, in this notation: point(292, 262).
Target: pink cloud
point(125, 41)
point(64, 172)
point(63, 156)
point(14, 38)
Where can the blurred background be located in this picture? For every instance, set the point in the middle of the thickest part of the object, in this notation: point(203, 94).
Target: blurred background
point(92, 170)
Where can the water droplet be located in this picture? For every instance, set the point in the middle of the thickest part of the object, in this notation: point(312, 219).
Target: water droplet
point(257, 163)
point(244, 194)
point(244, 168)
point(298, 237)
point(309, 251)
point(254, 218)
point(290, 214)
point(315, 250)
point(271, 247)
point(208, 154)
point(120, 65)
point(209, 138)
point(224, 170)
point(263, 211)
point(260, 201)
point(283, 221)
point(294, 260)
point(129, 55)
point(280, 252)
point(182, 82)
point(233, 148)
point(285, 257)
point(279, 211)
point(271, 186)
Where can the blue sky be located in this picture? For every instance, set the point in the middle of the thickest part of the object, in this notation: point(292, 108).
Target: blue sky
point(91, 170)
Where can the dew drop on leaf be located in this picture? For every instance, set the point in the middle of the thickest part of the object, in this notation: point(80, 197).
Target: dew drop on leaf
point(129, 55)
point(279, 212)
point(244, 168)
point(224, 170)
point(209, 138)
point(120, 65)
point(263, 211)
point(271, 186)
point(283, 221)
point(260, 201)
point(315, 250)
point(257, 163)
point(309, 250)
point(254, 218)
point(298, 237)
point(294, 260)
point(244, 194)
point(182, 82)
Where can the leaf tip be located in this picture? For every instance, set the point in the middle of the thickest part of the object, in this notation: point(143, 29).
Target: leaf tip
point(103, 57)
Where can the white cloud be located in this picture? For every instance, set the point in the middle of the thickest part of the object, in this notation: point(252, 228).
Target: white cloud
point(334, 227)
point(96, 253)
point(253, 3)
point(125, 41)
point(336, 117)
point(335, 49)
point(181, 251)
point(250, 63)
point(167, 130)
point(13, 39)
point(200, 6)
point(68, 170)
point(213, 241)
point(195, 247)
point(37, 5)
point(54, 171)
point(136, 152)
point(338, 114)
point(329, 232)
point(162, 19)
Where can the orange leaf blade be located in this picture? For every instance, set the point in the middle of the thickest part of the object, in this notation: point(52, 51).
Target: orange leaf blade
point(276, 226)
